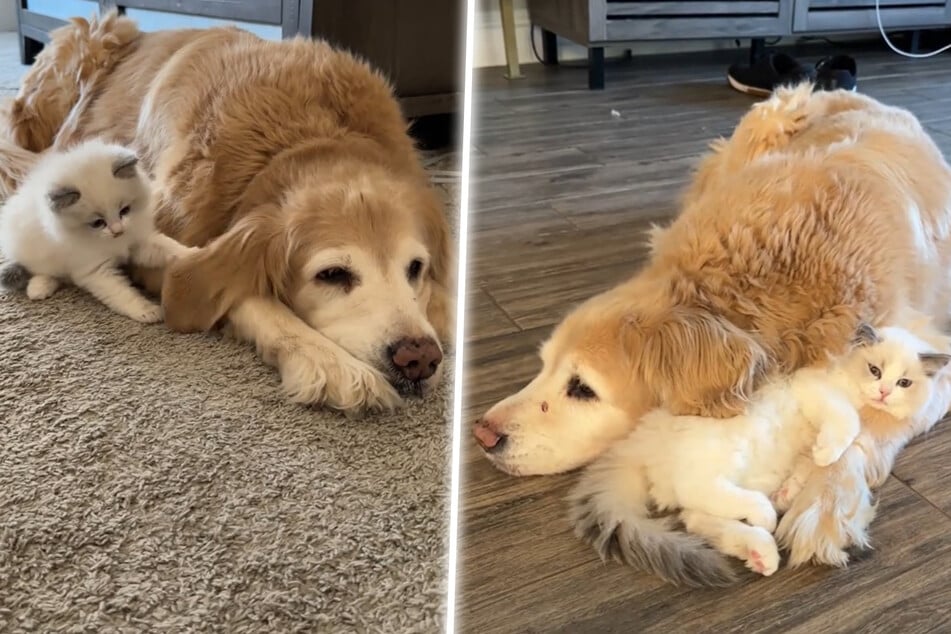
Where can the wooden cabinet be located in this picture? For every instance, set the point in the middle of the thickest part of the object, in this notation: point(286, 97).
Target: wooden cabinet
point(859, 15)
point(415, 42)
point(599, 23)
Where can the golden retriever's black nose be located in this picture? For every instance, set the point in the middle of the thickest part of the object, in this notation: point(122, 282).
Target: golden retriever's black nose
point(489, 439)
point(416, 359)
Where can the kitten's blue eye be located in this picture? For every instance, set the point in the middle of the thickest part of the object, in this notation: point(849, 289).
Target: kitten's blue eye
point(904, 383)
point(124, 211)
point(98, 223)
point(875, 371)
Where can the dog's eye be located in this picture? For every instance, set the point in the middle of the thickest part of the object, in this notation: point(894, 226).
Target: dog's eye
point(875, 371)
point(414, 269)
point(124, 211)
point(337, 276)
point(579, 390)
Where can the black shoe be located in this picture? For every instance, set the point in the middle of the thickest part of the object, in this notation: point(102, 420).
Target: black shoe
point(836, 73)
point(769, 72)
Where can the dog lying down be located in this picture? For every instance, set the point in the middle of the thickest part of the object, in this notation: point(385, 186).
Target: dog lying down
point(823, 210)
point(322, 242)
point(724, 476)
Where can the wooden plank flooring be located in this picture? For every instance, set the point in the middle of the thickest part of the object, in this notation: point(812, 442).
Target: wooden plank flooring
point(563, 191)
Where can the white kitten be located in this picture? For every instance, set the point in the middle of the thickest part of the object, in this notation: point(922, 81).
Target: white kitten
point(79, 215)
point(721, 472)
point(890, 371)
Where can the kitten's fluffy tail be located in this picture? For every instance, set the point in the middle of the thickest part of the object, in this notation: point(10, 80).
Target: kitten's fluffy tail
point(609, 510)
point(15, 164)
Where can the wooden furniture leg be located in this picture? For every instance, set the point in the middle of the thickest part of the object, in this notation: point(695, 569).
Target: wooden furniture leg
point(507, 9)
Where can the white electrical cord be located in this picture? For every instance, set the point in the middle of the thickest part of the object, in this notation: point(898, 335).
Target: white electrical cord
point(881, 29)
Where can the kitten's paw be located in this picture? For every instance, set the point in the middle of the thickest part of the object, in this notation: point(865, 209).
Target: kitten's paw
point(827, 450)
point(763, 516)
point(146, 314)
point(762, 554)
point(182, 252)
point(783, 498)
point(41, 287)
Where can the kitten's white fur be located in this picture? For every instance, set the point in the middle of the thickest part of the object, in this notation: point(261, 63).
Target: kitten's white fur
point(721, 472)
point(79, 215)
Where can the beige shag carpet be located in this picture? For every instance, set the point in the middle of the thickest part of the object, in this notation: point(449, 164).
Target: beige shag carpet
point(155, 482)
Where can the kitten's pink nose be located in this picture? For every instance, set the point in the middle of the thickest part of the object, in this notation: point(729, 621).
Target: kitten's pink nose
point(884, 391)
point(116, 230)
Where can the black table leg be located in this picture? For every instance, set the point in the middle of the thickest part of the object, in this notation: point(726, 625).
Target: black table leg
point(757, 46)
point(549, 47)
point(29, 49)
point(596, 68)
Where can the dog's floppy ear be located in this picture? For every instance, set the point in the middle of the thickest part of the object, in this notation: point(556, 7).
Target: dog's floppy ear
point(697, 363)
point(250, 260)
point(439, 310)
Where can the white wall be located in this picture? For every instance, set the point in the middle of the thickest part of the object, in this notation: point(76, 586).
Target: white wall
point(8, 15)
point(490, 51)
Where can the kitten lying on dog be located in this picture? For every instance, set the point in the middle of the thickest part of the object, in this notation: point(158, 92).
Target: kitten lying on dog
point(721, 472)
point(79, 215)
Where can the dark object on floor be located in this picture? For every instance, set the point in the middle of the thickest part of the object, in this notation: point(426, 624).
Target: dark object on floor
point(836, 73)
point(767, 73)
point(14, 277)
point(434, 132)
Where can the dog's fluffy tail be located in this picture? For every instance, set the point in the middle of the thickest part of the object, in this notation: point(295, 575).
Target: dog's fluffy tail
point(15, 164)
point(610, 511)
point(77, 56)
point(831, 514)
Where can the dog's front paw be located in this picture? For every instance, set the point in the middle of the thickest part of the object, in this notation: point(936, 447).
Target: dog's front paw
point(336, 380)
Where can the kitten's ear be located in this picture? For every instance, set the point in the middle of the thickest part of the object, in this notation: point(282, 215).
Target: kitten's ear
point(933, 362)
point(63, 197)
point(125, 166)
point(865, 335)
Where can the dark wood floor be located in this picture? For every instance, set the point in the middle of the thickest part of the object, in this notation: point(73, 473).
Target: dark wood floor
point(563, 192)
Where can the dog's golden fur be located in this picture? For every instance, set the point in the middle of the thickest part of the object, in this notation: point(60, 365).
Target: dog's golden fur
point(264, 153)
point(821, 211)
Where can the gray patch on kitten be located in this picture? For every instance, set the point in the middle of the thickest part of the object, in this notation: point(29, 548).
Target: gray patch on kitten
point(933, 362)
point(14, 277)
point(63, 197)
point(865, 335)
point(125, 166)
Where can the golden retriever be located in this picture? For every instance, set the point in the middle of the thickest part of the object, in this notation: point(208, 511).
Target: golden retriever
point(290, 164)
point(822, 210)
